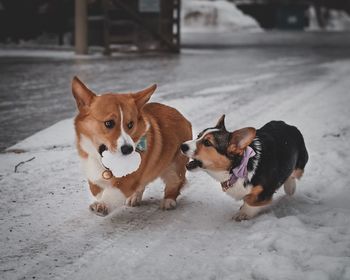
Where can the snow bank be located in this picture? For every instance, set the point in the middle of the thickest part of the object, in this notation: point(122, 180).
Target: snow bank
point(221, 16)
point(60, 135)
point(338, 21)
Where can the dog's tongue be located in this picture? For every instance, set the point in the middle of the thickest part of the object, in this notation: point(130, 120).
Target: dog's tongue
point(193, 164)
point(121, 165)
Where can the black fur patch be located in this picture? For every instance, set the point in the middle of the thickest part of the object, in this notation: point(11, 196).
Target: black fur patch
point(282, 150)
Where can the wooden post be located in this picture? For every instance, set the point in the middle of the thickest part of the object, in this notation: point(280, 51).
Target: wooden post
point(178, 25)
point(106, 34)
point(81, 27)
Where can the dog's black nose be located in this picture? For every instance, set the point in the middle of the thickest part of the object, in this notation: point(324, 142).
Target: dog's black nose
point(101, 149)
point(127, 149)
point(184, 148)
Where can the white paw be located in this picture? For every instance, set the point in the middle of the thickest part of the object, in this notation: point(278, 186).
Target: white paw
point(247, 212)
point(99, 208)
point(241, 216)
point(134, 199)
point(290, 186)
point(167, 204)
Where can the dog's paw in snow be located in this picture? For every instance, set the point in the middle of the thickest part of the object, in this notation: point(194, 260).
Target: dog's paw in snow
point(241, 216)
point(99, 208)
point(247, 212)
point(134, 199)
point(168, 204)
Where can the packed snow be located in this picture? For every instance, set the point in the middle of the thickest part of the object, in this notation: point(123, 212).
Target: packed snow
point(218, 16)
point(47, 231)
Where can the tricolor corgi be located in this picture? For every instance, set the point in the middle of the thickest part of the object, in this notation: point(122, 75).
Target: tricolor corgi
point(250, 164)
point(120, 124)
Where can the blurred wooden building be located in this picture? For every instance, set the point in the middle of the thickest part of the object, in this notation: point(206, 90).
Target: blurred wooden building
point(138, 24)
point(113, 24)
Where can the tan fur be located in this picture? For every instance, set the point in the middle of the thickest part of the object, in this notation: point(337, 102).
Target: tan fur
point(167, 129)
point(174, 177)
point(252, 198)
point(297, 173)
point(95, 190)
point(240, 139)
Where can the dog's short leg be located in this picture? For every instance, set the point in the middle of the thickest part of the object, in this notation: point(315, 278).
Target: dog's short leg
point(289, 186)
point(173, 184)
point(96, 207)
point(253, 205)
point(135, 198)
point(174, 179)
point(110, 199)
point(290, 183)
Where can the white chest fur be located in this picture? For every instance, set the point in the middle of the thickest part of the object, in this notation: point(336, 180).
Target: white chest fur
point(111, 196)
point(238, 191)
point(93, 171)
point(92, 165)
point(220, 176)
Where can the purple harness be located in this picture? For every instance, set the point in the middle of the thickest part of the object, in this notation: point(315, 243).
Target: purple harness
point(239, 171)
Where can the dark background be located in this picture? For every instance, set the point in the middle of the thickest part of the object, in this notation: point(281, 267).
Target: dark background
point(28, 19)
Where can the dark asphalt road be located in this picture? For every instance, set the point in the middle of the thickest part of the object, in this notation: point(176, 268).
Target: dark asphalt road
point(35, 91)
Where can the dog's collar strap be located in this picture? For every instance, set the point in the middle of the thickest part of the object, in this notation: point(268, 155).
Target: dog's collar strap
point(141, 145)
point(240, 171)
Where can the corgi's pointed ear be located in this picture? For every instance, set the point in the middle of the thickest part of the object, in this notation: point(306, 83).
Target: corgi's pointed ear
point(141, 97)
point(221, 123)
point(240, 139)
point(83, 96)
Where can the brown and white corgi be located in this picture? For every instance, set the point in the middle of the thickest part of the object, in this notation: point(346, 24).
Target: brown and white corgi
point(250, 164)
point(117, 123)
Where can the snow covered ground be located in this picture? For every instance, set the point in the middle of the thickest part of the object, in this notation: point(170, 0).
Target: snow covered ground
point(47, 231)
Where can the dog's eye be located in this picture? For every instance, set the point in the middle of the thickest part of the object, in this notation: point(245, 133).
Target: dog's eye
point(109, 123)
point(207, 143)
point(131, 125)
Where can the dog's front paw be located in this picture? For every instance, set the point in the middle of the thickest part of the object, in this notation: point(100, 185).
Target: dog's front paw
point(247, 212)
point(99, 208)
point(134, 200)
point(241, 216)
point(168, 204)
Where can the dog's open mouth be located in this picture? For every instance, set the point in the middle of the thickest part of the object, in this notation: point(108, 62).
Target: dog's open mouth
point(193, 164)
